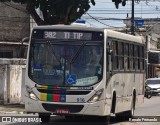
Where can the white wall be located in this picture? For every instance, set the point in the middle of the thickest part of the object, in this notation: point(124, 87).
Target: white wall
point(2, 82)
point(15, 83)
point(12, 80)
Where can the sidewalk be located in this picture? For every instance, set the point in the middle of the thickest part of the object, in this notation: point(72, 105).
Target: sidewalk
point(12, 109)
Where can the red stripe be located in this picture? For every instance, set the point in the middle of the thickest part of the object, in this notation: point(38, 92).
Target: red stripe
point(56, 98)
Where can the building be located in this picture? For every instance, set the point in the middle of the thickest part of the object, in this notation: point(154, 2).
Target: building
point(14, 26)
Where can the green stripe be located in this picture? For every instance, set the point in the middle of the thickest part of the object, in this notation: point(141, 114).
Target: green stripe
point(50, 87)
point(49, 97)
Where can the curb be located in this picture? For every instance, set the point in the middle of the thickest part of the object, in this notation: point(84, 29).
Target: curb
point(12, 112)
point(12, 109)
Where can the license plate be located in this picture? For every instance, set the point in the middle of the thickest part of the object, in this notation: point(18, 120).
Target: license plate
point(62, 111)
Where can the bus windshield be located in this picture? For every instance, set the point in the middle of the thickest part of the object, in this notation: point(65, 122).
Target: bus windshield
point(64, 63)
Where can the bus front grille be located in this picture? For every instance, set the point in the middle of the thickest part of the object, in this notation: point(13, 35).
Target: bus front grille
point(70, 108)
point(50, 91)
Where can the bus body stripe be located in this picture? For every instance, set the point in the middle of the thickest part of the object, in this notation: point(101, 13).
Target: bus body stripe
point(56, 98)
point(62, 98)
point(44, 87)
point(49, 97)
point(43, 96)
point(50, 87)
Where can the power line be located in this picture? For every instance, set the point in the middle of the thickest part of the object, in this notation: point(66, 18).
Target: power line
point(99, 21)
point(127, 12)
point(119, 10)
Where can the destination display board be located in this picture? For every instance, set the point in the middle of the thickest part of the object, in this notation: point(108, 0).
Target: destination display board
point(67, 35)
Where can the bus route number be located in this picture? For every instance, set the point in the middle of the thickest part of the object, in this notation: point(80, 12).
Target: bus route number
point(80, 100)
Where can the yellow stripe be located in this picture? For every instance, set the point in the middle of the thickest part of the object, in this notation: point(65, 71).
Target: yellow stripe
point(43, 97)
point(44, 87)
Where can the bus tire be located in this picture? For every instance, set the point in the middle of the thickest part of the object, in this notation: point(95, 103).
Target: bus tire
point(45, 117)
point(148, 96)
point(130, 113)
point(68, 117)
point(113, 103)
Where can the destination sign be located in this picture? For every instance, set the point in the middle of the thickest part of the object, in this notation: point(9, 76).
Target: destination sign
point(67, 35)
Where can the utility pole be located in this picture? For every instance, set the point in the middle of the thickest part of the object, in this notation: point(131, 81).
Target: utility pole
point(132, 19)
point(147, 40)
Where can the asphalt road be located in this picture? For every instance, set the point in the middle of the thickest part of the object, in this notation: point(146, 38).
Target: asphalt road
point(150, 107)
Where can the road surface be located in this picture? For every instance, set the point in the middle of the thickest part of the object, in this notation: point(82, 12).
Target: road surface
point(150, 107)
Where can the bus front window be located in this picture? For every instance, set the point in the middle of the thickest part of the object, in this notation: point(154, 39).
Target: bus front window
point(65, 64)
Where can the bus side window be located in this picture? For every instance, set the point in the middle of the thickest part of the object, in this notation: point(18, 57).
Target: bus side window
point(126, 56)
point(136, 56)
point(115, 63)
point(131, 54)
point(121, 55)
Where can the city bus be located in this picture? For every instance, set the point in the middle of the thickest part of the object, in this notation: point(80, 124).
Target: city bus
point(83, 71)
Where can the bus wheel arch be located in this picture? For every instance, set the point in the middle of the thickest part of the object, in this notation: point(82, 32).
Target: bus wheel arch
point(113, 106)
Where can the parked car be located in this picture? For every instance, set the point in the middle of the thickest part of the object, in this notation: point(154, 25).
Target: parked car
point(154, 85)
point(148, 92)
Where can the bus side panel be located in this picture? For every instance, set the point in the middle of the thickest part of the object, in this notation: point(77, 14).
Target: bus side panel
point(124, 90)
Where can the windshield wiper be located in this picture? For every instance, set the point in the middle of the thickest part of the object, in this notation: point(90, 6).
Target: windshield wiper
point(77, 53)
point(75, 56)
point(52, 50)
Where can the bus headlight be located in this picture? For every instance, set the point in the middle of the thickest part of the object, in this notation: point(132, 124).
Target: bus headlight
point(96, 96)
point(31, 94)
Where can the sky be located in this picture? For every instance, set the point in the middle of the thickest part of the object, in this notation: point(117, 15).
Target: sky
point(105, 15)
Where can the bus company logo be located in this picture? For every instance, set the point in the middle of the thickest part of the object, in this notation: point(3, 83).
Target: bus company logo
point(62, 98)
point(6, 119)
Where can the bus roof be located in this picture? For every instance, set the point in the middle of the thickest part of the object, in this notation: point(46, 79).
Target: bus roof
point(123, 36)
point(69, 27)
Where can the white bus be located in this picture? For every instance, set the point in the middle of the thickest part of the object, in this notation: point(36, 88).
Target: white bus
point(83, 71)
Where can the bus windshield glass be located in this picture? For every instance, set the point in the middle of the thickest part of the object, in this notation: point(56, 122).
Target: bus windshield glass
point(65, 63)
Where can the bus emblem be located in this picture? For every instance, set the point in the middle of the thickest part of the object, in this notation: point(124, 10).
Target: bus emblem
point(62, 98)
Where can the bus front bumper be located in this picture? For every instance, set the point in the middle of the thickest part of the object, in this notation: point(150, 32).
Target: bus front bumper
point(95, 109)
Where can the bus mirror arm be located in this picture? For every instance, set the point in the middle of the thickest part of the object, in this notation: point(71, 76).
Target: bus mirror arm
point(110, 52)
point(25, 39)
point(22, 47)
point(110, 73)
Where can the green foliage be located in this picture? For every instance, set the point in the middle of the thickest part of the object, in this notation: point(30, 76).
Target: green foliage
point(117, 2)
point(56, 11)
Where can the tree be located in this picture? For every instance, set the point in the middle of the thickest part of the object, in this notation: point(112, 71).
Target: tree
point(58, 11)
point(117, 2)
point(55, 11)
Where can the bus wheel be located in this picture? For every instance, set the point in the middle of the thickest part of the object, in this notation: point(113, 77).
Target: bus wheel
point(45, 117)
point(130, 113)
point(108, 119)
